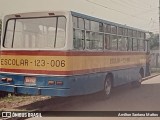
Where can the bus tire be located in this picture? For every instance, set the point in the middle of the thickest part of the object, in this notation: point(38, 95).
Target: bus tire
point(137, 84)
point(3, 94)
point(106, 93)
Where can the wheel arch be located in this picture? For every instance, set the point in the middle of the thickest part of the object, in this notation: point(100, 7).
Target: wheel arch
point(110, 74)
point(141, 71)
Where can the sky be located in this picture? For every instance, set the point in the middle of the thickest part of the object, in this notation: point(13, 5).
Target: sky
point(142, 14)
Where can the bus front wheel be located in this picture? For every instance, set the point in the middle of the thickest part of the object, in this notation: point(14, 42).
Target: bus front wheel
point(137, 84)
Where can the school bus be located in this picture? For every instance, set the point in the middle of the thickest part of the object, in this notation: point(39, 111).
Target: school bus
point(65, 53)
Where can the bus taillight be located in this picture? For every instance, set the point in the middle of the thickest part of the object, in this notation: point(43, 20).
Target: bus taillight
point(51, 82)
point(4, 79)
point(7, 79)
point(55, 82)
point(59, 83)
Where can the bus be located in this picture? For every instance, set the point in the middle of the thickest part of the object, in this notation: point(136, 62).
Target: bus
point(65, 53)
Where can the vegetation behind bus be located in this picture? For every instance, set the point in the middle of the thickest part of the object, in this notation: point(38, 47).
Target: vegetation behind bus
point(154, 41)
point(155, 56)
point(0, 27)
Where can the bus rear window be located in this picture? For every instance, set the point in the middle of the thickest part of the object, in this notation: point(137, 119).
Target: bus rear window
point(45, 33)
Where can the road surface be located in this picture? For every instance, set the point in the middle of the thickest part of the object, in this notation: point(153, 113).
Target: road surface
point(126, 98)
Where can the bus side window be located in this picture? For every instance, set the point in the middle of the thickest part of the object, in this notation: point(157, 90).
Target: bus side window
point(107, 41)
point(130, 33)
point(141, 45)
point(135, 44)
point(94, 40)
point(101, 36)
point(134, 33)
point(129, 44)
point(125, 32)
point(94, 26)
point(107, 28)
point(87, 24)
point(125, 43)
point(81, 23)
point(120, 31)
point(78, 39)
point(75, 22)
point(100, 40)
point(113, 43)
point(88, 36)
point(78, 33)
point(101, 27)
point(142, 35)
point(122, 43)
point(113, 29)
point(94, 37)
point(130, 40)
point(87, 42)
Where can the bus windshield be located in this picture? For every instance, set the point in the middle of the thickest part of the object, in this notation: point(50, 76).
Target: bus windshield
point(44, 33)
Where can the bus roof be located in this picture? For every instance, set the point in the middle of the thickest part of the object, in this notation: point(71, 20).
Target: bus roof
point(77, 14)
point(36, 14)
point(104, 21)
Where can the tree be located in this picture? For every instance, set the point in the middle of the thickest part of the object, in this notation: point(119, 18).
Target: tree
point(154, 41)
point(0, 27)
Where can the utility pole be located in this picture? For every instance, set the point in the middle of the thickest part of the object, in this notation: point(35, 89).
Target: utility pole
point(159, 36)
point(159, 27)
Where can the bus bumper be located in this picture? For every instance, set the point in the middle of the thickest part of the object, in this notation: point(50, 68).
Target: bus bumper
point(33, 90)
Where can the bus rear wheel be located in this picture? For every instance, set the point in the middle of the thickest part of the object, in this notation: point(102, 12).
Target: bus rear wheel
point(106, 93)
point(3, 94)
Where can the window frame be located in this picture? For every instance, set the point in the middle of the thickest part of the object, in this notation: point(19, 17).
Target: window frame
point(109, 30)
point(5, 31)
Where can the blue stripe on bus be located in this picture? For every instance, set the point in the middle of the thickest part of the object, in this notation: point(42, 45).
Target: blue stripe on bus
point(72, 85)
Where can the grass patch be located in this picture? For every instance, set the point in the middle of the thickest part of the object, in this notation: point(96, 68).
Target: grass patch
point(12, 98)
point(155, 70)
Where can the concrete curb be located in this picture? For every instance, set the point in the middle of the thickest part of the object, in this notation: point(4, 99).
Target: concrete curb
point(146, 78)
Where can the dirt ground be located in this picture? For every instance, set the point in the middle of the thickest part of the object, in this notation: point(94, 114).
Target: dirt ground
point(11, 102)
